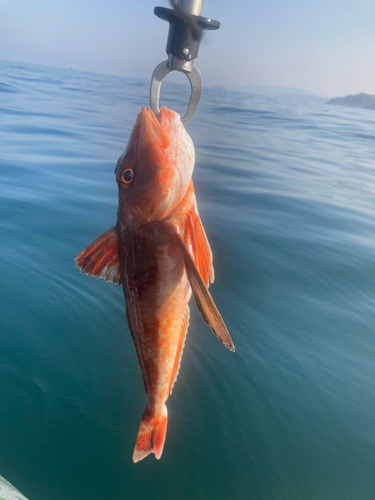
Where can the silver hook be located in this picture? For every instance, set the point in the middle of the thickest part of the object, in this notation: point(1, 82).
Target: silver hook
point(196, 83)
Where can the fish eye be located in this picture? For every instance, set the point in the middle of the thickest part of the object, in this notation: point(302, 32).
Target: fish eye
point(127, 176)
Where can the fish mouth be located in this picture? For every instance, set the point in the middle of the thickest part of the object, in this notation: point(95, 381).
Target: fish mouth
point(157, 130)
point(147, 134)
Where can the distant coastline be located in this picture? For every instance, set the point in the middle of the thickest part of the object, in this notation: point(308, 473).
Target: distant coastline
point(364, 101)
point(273, 91)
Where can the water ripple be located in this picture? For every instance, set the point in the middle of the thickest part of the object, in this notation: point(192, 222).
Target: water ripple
point(286, 191)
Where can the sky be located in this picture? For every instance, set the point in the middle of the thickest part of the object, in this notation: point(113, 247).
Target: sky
point(322, 46)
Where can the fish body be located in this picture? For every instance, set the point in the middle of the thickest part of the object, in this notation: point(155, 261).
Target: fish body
point(157, 292)
point(159, 252)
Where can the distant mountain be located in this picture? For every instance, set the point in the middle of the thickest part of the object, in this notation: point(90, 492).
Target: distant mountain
point(272, 91)
point(364, 101)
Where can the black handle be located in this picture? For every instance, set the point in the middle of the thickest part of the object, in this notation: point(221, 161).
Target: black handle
point(185, 32)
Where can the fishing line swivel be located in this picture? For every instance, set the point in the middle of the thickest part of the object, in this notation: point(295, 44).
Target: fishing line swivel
point(186, 26)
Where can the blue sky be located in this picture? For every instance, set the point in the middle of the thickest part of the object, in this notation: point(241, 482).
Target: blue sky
point(324, 46)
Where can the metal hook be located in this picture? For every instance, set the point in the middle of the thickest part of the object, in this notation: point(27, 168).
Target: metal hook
point(186, 26)
point(195, 79)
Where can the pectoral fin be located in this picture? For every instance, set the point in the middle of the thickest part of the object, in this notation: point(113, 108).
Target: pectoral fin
point(101, 258)
point(204, 301)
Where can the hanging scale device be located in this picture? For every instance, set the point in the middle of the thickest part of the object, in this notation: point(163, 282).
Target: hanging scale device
point(186, 26)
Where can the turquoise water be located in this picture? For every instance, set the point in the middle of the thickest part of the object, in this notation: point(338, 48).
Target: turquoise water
point(286, 192)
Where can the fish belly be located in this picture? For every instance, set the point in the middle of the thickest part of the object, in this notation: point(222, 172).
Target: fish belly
point(157, 292)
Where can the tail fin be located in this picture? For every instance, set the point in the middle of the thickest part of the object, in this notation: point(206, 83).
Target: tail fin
point(151, 434)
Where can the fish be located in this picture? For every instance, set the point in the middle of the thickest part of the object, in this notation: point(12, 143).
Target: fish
point(158, 251)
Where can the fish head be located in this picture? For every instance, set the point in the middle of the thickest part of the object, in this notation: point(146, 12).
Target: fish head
point(154, 172)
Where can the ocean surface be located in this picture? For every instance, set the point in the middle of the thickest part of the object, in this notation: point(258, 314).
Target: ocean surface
point(286, 192)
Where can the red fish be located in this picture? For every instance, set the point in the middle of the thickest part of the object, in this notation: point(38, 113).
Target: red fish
point(159, 252)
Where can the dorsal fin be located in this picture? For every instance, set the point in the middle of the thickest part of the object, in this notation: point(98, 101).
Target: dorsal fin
point(188, 225)
point(201, 248)
point(180, 348)
point(101, 258)
point(202, 297)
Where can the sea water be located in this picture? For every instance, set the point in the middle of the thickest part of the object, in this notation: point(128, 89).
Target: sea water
point(286, 192)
